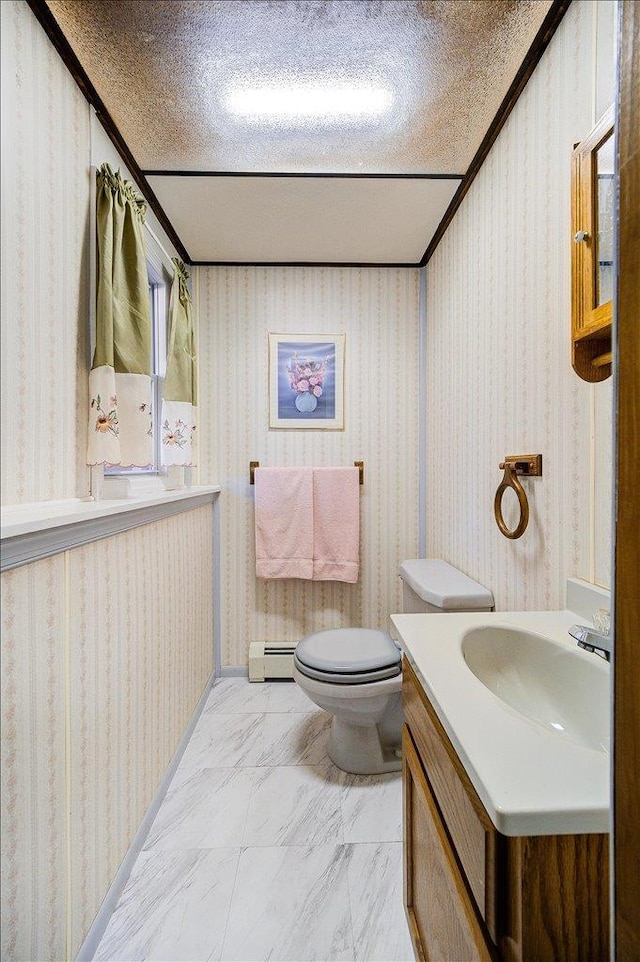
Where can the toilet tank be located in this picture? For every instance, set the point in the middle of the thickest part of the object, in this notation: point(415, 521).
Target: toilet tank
point(429, 584)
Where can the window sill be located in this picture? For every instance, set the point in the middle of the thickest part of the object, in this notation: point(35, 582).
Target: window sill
point(120, 487)
point(30, 532)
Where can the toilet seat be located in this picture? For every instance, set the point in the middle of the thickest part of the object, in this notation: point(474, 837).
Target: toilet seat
point(348, 656)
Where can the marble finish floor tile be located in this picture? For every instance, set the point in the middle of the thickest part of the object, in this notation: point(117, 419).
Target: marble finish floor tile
point(231, 696)
point(380, 928)
point(291, 904)
point(208, 809)
point(263, 849)
point(295, 805)
point(372, 808)
point(173, 909)
point(286, 696)
point(250, 740)
point(224, 741)
point(295, 738)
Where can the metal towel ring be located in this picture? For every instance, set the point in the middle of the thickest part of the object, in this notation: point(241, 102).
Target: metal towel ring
point(510, 480)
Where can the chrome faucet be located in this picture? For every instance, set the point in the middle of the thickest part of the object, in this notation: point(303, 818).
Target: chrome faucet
point(592, 640)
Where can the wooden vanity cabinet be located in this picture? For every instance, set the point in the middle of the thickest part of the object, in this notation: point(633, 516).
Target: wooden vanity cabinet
point(443, 919)
point(474, 895)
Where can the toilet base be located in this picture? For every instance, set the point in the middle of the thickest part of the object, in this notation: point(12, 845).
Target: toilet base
point(359, 750)
point(366, 728)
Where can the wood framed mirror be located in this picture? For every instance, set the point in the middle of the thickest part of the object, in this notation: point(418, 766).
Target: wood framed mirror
point(592, 222)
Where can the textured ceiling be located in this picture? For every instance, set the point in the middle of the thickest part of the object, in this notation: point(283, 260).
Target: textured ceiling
point(167, 69)
point(164, 69)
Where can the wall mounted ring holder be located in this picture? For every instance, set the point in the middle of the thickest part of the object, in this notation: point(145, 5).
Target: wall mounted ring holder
point(515, 466)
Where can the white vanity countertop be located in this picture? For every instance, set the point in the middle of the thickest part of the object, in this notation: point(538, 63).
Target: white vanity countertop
point(531, 780)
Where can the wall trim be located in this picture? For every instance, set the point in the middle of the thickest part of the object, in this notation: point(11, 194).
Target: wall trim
point(234, 671)
point(216, 588)
point(54, 32)
point(24, 548)
point(626, 734)
point(422, 418)
point(319, 175)
point(534, 54)
point(52, 29)
point(92, 939)
point(358, 264)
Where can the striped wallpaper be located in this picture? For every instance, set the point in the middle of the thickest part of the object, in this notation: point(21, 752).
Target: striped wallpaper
point(91, 714)
point(140, 651)
point(34, 778)
point(45, 267)
point(499, 376)
point(106, 650)
point(377, 310)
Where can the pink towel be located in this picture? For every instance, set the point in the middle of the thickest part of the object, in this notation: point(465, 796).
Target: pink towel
point(336, 524)
point(284, 522)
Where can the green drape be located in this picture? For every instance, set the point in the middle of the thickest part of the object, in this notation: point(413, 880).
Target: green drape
point(181, 378)
point(120, 409)
point(123, 309)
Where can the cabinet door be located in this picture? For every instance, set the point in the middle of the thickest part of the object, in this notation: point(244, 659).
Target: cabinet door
point(442, 917)
point(471, 833)
point(592, 278)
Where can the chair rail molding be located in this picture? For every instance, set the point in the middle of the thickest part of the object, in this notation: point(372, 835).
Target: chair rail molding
point(30, 538)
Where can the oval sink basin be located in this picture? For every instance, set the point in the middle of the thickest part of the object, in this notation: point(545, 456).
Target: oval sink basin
point(560, 689)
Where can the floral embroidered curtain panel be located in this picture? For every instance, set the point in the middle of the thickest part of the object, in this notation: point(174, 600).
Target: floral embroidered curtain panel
point(120, 385)
point(120, 425)
point(180, 387)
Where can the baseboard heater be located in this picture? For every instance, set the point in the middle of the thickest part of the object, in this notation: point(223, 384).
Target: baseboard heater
point(271, 659)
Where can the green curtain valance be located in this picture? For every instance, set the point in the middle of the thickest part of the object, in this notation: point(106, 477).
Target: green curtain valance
point(123, 310)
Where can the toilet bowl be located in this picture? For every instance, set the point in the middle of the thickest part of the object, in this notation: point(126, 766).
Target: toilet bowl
point(355, 674)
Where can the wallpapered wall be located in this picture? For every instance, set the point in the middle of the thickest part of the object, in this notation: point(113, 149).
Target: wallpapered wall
point(50, 139)
point(105, 652)
point(499, 376)
point(499, 381)
point(378, 312)
point(105, 649)
point(45, 267)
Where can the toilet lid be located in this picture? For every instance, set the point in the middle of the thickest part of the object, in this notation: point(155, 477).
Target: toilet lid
point(348, 656)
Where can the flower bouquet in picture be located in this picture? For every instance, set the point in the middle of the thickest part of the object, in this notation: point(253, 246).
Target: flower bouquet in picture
point(306, 381)
point(306, 378)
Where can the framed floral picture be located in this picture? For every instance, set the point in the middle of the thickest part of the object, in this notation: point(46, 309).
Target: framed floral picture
point(306, 381)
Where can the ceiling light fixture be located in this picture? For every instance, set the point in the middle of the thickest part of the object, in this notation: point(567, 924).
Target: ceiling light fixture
point(339, 102)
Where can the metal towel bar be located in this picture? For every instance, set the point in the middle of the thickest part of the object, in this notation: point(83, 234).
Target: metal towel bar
point(256, 464)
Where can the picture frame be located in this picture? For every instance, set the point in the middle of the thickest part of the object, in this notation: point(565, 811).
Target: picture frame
point(306, 381)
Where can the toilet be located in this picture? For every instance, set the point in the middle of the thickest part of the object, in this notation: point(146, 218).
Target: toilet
point(355, 674)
